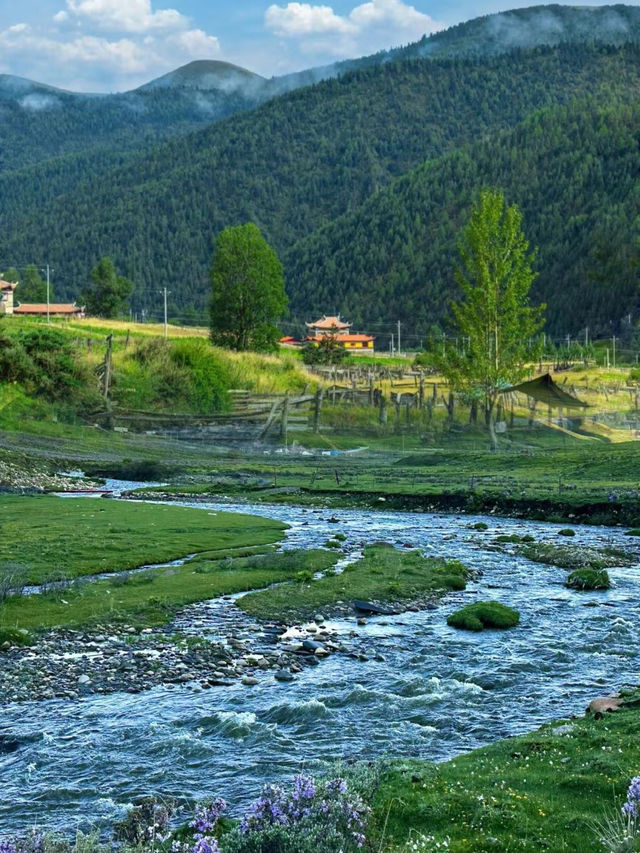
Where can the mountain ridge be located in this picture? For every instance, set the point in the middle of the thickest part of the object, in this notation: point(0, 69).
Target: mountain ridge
point(293, 166)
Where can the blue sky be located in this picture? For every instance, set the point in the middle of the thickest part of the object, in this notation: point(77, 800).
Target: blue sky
point(114, 45)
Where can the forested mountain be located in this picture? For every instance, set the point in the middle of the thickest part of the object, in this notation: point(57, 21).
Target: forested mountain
point(292, 166)
point(552, 24)
point(40, 122)
point(573, 170)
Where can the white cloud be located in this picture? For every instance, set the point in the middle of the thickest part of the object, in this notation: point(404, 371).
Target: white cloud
point(197, 43)
point(302, 19)
point(369, 27)
point(84, 57)
point(128, 16)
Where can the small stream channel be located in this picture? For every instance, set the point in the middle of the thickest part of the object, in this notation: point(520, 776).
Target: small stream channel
point(438, 692)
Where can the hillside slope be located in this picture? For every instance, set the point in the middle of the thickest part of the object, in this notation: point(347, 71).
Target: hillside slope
point(39, 122)
point(574, 173)
point(292, 165)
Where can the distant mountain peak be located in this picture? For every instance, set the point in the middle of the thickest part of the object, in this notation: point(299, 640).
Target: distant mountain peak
point(206, 75)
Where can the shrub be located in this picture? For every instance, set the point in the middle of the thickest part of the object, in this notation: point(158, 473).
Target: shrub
point(455, 582)
point(309, 818)
point(304, 576)
point(148, 821)
point(484, 614)
point(15, 637)
point(327, 351)
point(585, 579)
point(332, 543)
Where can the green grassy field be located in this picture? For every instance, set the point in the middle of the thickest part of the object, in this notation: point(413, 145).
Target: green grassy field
point(153, 597)
point(383, 574)
point(54, 538)
point(547, 790)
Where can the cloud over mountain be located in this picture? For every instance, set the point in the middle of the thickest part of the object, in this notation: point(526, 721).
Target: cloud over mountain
point(89, 42)
point(368, 27)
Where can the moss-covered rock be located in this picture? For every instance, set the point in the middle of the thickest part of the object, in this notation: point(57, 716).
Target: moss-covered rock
point(584, 579)
point(484, 614)
point(514, 538)
point(574, 557)
point(566, 531)
point(479, 525)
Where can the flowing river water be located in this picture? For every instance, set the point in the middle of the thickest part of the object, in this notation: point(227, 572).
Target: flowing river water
point(433, 693)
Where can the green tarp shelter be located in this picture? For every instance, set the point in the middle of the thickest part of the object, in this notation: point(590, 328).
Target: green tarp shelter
point(545, 390)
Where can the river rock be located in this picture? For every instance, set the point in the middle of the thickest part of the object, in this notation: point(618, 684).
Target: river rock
point(249, 680)
point(311, 646)
point(373, 609)
point(284, 675)
point(604, 705)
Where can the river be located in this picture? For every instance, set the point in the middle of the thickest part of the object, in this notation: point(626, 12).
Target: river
point(437, 693)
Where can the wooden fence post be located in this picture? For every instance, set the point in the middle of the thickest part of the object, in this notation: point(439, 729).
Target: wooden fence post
point(106, 379)
point(284, 423)
point(382, 415)
point(317, 405)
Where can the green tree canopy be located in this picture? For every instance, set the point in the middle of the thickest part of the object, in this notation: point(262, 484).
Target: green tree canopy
point(247, 290)
point(32, 287)
point(11, 274)
point(494, 316)
point(109, 292)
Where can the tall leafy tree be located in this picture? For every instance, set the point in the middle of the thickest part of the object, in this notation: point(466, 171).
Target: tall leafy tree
point(109, 293)
point(494, 316)
point(33, 288)
point(11, 274)
point(247, 290)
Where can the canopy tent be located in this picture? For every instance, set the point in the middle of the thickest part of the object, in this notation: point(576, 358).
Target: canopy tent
point(545, 390)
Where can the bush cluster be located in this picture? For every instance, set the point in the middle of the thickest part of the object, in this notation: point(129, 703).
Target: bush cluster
point(484, 614)
point(44, 362)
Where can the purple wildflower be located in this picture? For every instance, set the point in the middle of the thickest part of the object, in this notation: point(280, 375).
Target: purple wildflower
point(320, 809)
point(206, 817)
point(7, 846)
point(631, 808)
point(206, 844)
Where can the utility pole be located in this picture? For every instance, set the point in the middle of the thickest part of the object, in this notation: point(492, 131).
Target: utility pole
point(48, 271)
point(399, 348)
point(165, 292)
point(614, 350)
point(392, 349)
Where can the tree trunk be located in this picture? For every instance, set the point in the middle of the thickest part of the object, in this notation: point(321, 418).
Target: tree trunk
point(490, 416)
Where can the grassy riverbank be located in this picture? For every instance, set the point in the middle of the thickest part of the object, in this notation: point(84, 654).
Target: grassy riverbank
point(52, 539)
point(383, 575)
point(152, 597)
point(545, 790)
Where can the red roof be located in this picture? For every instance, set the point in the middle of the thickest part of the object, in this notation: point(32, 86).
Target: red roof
point(54, 308)
point(329, 323)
